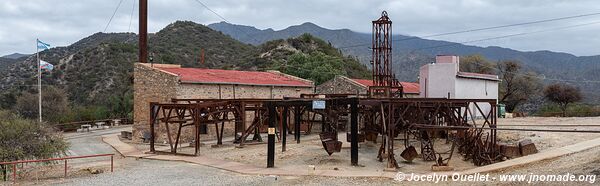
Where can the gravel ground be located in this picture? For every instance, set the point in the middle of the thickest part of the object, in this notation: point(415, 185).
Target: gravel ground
point(548, 140)
point(151, 172)
point(130, 171)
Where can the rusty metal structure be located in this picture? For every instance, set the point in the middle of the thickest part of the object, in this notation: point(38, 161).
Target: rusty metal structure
point(416, 122)
point(381, 116)
point(385, 83)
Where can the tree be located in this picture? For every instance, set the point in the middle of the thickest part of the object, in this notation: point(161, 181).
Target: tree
point(8, 98)
point(317, 66)
point(27, 139)
point(516, 86)
point(563, 95)
point(54, 104)
point(477, 64)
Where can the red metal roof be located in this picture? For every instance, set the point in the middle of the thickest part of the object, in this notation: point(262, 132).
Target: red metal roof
point(409, 88)
point(478, 76)
point(217, 76)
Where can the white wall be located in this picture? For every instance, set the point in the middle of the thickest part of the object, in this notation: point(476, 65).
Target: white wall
point(437, 80)
point(468, 88)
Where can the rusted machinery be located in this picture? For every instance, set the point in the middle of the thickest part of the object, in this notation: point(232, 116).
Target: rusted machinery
point(422, 120)
point(189, 115)
point(385, 83)
point(384, 117)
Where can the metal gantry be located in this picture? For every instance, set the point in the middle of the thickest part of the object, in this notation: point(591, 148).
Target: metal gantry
point(413, 120)
point(385, 83)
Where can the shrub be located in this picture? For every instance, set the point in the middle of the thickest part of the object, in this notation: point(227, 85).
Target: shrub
point(22, 139)
point(573, 110)
point(54, 104)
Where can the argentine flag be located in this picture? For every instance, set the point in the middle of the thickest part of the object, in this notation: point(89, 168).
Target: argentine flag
point(46, 66)
point(42, 46)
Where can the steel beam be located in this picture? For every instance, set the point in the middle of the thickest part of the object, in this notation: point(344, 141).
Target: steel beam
point(143, 32)
point(271, 135)
point(354, 133)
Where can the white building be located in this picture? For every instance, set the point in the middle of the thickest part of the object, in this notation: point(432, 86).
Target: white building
point(443, 79)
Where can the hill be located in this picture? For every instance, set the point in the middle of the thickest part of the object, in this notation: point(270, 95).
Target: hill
point(5, 63)
point(97, 67)
point(182, 43)
point(96, 71)
point(412, 52)
point(308, 57)
point(15, 56)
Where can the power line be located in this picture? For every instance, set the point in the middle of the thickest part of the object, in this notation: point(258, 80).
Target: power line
point(543, 77)
point(481, 29)
point(227, 21)
point(131, 16)
point(113, 15)
point(471, 30)
point(510, 35)
point(521, 34)
point(211, 10)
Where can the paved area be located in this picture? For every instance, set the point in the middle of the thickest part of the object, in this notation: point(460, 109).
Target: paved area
point(89, 143)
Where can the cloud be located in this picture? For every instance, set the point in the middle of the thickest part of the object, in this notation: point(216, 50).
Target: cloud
point(64, 22)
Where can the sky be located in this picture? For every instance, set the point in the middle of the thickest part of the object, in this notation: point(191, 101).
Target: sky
point(60, 22)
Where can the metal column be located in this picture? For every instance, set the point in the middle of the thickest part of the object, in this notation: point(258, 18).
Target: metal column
point(354, 132)
point(271, 133)
point(143, 32)
point(284, 128)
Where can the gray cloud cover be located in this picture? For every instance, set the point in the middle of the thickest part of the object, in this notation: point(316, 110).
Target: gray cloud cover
point(61, 23)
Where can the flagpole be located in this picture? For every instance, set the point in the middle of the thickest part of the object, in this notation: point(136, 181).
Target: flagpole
point(39, 71)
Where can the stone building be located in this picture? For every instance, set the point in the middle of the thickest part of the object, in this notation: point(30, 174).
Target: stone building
point(345, 85)
point(161, 82)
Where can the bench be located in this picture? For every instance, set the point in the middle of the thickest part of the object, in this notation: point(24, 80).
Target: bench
point(126, 135)
point(115, 122)
point(100, 124)
point(86, 127)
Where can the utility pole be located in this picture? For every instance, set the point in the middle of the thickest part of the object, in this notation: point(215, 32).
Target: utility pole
point(143, 32)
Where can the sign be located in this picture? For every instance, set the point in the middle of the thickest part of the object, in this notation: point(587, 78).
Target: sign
point(318, 104)
point(271, 130)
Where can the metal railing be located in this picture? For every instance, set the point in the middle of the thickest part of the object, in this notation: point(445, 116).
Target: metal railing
point(65, 159)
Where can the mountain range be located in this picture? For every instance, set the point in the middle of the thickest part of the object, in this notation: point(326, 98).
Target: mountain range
point(14, 56)
point(98, 68)
point(409, 53)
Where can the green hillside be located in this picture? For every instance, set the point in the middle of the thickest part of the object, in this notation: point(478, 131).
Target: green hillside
point(96, 76)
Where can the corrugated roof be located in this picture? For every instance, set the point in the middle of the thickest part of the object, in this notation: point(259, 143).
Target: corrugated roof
point(217, 76)
point(478, 76)
point(409, 88)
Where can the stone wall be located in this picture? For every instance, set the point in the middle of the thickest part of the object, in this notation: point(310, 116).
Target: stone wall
point(149, 85)
point(341, 85)
point(154, 85)
point(344, 85)
point(226, 91)
point(229, 91)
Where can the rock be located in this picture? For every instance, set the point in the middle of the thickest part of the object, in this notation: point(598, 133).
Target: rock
point(94, 171)
point(510, 151)
point(527, 147)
